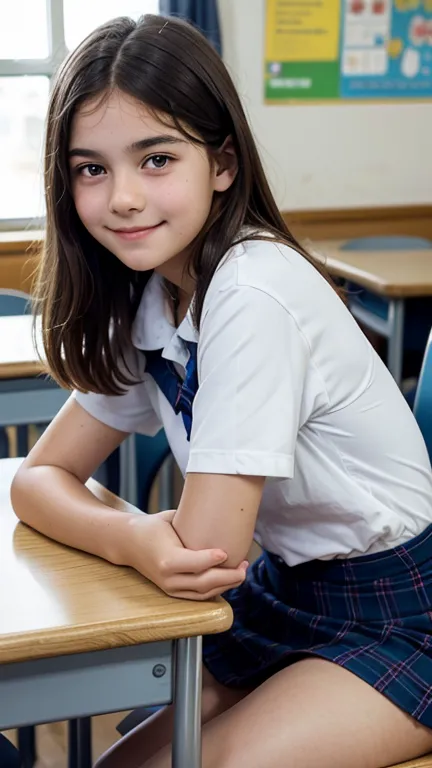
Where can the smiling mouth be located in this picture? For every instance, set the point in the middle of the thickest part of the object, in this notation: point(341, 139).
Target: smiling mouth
point(135, 233)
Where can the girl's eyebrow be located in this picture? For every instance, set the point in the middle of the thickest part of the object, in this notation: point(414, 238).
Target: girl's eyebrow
point(137, 146)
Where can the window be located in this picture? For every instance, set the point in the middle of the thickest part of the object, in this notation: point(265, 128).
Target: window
point(28, 61)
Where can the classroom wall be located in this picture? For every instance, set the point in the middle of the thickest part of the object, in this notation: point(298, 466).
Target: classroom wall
point(334, 156)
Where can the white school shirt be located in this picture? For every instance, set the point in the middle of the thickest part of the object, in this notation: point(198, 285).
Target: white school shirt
point(289, 389)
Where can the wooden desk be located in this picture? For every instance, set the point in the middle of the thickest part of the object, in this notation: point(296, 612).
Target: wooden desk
point(18, 356)
point(393, 275)
point(398, 274)
point(79, 636)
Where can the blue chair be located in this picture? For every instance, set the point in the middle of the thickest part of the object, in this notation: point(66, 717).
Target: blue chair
point(405, 323)
point(14, 303)
point(423, 399)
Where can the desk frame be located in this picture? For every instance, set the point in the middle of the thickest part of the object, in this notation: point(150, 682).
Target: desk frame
point(392, 329)
point(80, 685)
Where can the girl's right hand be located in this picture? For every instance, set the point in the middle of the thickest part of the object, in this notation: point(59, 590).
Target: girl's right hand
point(155, 550)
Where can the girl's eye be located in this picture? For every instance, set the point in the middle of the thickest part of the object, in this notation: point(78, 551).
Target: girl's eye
point(158, 162)
point(91, 169)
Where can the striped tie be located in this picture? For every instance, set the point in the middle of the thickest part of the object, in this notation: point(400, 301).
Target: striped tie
point(178, 392)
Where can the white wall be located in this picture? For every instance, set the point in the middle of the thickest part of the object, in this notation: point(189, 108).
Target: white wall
point(335, 156)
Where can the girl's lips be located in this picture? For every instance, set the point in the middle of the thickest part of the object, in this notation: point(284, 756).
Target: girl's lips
point(135, 234)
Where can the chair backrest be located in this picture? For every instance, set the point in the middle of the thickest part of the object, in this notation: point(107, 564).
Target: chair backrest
point(387, 243)
point(151, 453)
point(14, 303)
point(423, 399)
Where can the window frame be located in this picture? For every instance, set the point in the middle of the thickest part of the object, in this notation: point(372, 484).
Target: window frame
point(57, 52)
point(47, 67)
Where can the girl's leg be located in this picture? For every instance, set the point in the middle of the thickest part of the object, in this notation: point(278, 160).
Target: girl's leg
point(149, 737)
point(312, 713)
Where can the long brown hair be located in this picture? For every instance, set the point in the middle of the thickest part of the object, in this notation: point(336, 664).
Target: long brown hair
point(87, 296)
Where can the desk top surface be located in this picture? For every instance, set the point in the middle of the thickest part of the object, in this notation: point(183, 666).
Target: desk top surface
point(18, 356)
point(396, 274)
point(55, 600)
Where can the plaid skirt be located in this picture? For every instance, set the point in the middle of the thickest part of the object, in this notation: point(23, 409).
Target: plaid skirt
point(370, 614)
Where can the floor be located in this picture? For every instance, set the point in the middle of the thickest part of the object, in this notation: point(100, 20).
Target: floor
point(52, 740)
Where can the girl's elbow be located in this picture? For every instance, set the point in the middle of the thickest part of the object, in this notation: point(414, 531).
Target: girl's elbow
point(20, 494)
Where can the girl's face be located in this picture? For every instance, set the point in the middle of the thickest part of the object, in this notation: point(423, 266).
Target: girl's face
point(141, 189)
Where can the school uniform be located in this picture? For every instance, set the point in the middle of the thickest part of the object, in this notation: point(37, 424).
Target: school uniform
point(280, 382)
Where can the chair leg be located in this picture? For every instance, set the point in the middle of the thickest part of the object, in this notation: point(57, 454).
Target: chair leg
point(4, 444)
point(22, 440)
point(27, 745)
point(136, 717)
point(84, 743)
point(73, 744)
point(80, 748)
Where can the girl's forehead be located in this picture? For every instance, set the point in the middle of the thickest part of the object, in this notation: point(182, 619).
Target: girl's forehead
point(119, 112)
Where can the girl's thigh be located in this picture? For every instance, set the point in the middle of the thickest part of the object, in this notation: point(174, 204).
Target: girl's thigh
point(313, 713)
point(149, 737)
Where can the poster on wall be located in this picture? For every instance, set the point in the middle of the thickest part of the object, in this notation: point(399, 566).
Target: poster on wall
point(348, 49)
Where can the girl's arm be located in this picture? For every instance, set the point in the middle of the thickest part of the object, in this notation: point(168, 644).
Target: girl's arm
point(252, 363)
point(48, 491)
point(219, 511)
point(49, 494)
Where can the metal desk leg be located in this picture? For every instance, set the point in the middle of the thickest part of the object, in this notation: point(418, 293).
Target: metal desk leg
point(186, 748)
point(396, 318)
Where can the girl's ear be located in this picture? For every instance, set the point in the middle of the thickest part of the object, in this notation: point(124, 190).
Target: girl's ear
point(225, 166)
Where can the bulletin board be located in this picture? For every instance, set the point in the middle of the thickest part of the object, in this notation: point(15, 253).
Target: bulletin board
point(348, 49)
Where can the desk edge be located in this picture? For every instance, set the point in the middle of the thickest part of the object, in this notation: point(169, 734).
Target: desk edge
point(59, 641)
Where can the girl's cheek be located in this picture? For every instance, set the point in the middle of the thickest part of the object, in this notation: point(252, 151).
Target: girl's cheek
point(88, 205)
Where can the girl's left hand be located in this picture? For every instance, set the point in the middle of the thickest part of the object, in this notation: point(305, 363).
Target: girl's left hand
point(155, 550)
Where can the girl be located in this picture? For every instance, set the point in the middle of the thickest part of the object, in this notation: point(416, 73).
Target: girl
point(173, 295)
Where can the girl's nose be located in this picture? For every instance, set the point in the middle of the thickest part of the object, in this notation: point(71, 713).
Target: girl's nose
point(127, 195)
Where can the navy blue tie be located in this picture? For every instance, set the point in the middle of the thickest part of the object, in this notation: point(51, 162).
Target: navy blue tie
point(178, 392)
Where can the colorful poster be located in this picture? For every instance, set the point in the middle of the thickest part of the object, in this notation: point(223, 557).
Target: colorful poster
point(348, 49)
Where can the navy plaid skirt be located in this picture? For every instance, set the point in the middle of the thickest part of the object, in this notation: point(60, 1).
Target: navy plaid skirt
point(370, 614)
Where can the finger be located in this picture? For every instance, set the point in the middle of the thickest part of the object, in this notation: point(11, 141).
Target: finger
point(214, 579)
point(198, 596)
point(191, 561)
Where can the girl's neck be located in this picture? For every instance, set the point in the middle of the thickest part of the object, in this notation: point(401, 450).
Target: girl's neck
point(179, 286)
point(179, 301)
point(176, 271)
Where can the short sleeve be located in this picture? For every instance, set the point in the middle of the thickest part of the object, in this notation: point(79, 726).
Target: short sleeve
point(252, 364)
point(130, 412)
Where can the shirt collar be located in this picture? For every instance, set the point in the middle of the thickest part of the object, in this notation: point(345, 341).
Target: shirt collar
point(153, 327)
